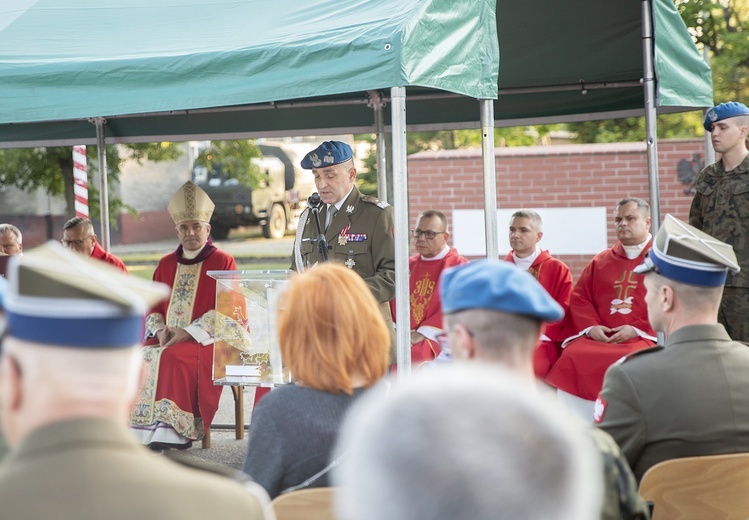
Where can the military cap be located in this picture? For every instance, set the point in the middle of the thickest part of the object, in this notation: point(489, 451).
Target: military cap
point(724, 111)
point(190, 203)
point(58, 297)
point(329, 153)
point(499, 286)
point(685, 254)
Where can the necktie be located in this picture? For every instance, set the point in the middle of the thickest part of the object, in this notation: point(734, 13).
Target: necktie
point(329, 217)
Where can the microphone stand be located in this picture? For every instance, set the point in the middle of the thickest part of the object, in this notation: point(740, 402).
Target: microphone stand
point(315, 202)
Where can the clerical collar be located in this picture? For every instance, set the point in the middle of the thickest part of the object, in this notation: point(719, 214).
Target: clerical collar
point(633, 252)
point(340, 202)
point(525, 263)
point(439, 256)
point(189, 255)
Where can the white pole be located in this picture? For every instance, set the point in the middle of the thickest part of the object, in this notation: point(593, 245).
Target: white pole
point(104, 189)
point(490, 179)
point(651, 136)
point(400, 210)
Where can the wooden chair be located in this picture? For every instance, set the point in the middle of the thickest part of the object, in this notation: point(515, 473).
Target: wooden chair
point(714, 486)
point(305, 504)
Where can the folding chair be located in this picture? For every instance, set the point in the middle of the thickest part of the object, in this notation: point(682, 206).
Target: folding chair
point(305, 504)
point(713, 486)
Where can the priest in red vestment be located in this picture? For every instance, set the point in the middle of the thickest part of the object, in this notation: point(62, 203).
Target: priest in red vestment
point(526, 230)
point(179, 400)
point(609, 316)
point(78, 235)
point(433, 256)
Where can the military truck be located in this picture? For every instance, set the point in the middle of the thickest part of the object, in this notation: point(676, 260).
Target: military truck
point(275, 205)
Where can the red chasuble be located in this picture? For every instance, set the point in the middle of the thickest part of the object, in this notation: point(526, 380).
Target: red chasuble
point(185, 397)
point(426, 308)
point(99, 254)
point(608, 294)
point(555, 277)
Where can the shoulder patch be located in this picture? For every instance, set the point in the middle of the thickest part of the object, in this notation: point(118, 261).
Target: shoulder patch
point(374, 200)
point(639, 353)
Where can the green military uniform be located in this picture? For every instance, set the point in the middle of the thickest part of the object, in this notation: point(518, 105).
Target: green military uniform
point(89, 469)
point(620, 498)
point(687, 399)
point(360, 237)
point(721, 208)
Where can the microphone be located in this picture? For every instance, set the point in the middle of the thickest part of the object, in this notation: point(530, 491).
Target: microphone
point(314, 200)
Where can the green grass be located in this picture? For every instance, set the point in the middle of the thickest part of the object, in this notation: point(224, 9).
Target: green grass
point(146, 271)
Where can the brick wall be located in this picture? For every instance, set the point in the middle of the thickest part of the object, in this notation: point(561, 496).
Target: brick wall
point(560, 176)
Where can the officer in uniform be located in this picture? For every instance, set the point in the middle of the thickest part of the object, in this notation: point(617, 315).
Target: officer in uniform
point(690, 396)
point(720, 207)
point(358, 229)
point(69, 375)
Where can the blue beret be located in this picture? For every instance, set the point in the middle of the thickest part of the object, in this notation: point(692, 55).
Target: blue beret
point(329, 153)
point(499, 286)
point(724, 111)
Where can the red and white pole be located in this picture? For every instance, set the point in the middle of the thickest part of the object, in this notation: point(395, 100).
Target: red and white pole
point(80, 178)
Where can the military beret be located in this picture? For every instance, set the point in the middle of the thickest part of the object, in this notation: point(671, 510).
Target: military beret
point(685, 254)
point(724, 111)
point(59, 297)
point(499, 286)
point(329, 153)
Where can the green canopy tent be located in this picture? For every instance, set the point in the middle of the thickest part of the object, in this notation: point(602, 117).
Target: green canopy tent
point(85, 71)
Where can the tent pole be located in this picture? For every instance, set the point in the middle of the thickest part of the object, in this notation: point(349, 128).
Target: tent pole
point(490, 179)
point(104, 189)
point(709, 151)
point(400, 207)
point(378, 105)
point(651, 136)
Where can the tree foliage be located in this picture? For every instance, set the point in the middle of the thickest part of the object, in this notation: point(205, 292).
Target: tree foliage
point(232, 160)
point(50, 169)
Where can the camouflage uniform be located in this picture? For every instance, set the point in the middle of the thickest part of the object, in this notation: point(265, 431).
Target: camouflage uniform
point(721, 208)
point(360, 236)
point(620, 498)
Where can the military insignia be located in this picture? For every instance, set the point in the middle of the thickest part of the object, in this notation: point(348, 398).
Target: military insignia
point(328, 159)
point(315, 160)
point(382, 204)
point(342, 239)
point(712, 115)
point(357, 237)
point(349, 209)
point(349, 263)
point(599, 409)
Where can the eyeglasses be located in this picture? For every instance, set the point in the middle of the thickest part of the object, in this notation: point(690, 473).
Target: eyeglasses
point(74, 243)
point(428, 234)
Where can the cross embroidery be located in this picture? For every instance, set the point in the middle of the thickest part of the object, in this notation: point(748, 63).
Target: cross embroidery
point(625, 284)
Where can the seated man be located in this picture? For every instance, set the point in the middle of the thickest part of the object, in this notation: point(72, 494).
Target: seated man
point(179, 400)
point(689, 397)
point(78, 235)
point(11, 240)
point(608, 313)
point(526, 230)
point(70, 371)
point(433, 255)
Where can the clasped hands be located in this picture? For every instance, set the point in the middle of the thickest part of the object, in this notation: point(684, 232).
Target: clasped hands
point(169, 336)
point(618, 334)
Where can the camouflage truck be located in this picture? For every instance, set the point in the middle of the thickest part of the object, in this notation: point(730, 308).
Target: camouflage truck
point(275, 204)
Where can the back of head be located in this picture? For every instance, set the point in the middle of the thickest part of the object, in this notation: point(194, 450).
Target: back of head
point(479, 444)
point(330, 328)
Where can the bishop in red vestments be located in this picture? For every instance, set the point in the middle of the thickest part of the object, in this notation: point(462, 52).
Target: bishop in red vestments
point(179, 399)
point(433, 256)
point(609, 317)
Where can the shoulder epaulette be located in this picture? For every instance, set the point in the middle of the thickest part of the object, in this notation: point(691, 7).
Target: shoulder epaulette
point(636, 353)
point(374, 200)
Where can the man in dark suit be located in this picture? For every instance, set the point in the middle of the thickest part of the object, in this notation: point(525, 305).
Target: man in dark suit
point(69, 375)
point(690, 396)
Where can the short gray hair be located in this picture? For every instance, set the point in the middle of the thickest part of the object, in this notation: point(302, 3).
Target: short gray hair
point(476, 443)
point(10, 228)
point(534, 217)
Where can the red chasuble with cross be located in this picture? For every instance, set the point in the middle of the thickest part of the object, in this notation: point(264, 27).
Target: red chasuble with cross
point(426, 307)
point(608, 294)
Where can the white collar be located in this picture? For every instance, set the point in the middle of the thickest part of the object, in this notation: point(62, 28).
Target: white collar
point(633, 252)
point(439, 256)
point(189, 255)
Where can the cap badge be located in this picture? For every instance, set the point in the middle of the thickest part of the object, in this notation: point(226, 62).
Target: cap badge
point(316, 162)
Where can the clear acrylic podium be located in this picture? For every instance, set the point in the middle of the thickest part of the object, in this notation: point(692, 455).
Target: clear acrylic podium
point(246, 351)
